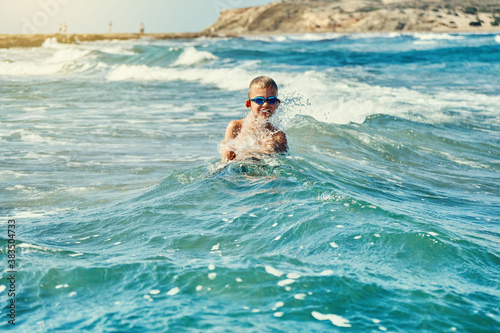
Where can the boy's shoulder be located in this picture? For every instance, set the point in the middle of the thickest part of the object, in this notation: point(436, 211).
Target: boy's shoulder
point(236, 122)
point(233, 128)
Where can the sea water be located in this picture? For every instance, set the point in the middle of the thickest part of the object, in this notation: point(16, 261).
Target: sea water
point(382, 216)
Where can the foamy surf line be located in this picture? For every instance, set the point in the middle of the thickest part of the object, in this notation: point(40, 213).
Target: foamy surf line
point(332, 100)
point(224, 78)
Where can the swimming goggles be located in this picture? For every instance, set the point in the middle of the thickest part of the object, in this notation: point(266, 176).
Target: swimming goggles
point(261, 100)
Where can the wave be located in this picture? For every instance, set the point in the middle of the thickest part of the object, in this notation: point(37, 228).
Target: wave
point(435, 36)
point(370, 35)
point(110, 47)
point(298, 37)
point(224, 78)
point(52, 58)
point(318, 37)
point(323, 96)
point(28, 68)
point(191, 56)
point(343, 101)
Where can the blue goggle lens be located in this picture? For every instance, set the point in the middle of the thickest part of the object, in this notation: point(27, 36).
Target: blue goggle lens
point(261, 100)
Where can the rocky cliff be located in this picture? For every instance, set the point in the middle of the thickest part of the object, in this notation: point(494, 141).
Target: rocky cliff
point(302, 16)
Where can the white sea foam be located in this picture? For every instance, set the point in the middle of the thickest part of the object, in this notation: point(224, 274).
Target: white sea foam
point(297, 37)
point(28, 68)
point(435, 36)
point(35, 138)
point(36, 247)
point(224, 78)
point(8, 174)
point(285, 282)
point(316, 37)
point(22, 215)
point(52, 58)
point(300, 296)
point(497, 39)
point(191, 56)
point(25, 190)
point(51, 43)
point(278, 305)
point(336, 320)
point(370, 35)
point(173, 291)
point(111, 47)
point(273, 271)
point(67, 55)
point(428, 43)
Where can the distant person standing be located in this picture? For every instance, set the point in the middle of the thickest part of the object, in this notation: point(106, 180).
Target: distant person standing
point(64, 28)
point(60, 28)
point(141, 30)
point(110, 26)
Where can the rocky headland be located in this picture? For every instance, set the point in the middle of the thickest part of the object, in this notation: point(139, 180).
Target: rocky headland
point(309, 16)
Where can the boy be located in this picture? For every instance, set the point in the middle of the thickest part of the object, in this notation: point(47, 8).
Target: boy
point(254, 135)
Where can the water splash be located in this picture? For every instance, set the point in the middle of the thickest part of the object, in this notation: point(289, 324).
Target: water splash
point(293, 103)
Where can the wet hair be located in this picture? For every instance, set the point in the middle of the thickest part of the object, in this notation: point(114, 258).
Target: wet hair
point(262, 82)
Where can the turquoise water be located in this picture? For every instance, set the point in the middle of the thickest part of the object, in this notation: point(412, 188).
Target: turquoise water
point(383, 215)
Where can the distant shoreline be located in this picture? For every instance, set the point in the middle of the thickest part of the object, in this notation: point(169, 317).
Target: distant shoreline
point(37, 40)
point(287, 17)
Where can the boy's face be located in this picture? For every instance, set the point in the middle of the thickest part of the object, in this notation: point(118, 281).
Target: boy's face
point(265, 110)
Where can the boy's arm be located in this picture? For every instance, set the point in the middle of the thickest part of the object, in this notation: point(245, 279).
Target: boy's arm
point(281, 142)
point(232, 131)
point(275, 144)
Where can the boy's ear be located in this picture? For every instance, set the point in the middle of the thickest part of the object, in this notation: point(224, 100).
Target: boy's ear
point(248, 103)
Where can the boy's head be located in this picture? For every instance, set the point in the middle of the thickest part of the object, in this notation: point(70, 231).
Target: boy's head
point(262, 97)
point(262, 82)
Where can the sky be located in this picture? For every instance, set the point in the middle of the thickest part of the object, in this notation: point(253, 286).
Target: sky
point(94, 16)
